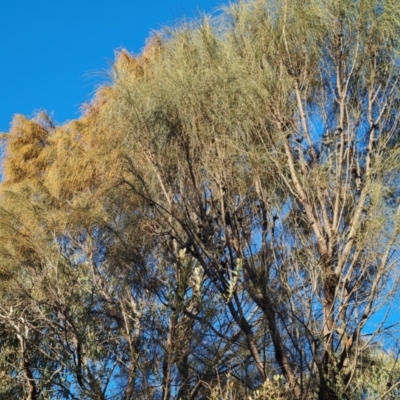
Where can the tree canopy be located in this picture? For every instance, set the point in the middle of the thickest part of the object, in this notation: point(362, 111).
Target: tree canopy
point(222, 222)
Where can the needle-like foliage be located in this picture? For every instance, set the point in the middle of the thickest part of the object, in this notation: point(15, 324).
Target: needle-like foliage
point(221, 222)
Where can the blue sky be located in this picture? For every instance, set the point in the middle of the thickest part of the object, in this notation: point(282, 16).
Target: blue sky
point(54, 52)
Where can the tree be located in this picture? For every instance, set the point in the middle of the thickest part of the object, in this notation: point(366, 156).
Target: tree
point(225, 210)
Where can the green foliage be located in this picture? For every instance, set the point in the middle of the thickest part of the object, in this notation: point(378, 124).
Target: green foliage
point(221, 222)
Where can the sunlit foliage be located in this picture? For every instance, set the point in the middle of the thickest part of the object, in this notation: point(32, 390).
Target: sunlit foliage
point(221, 222)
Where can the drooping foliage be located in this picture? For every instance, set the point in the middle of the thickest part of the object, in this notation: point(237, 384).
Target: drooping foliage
point(221, 222)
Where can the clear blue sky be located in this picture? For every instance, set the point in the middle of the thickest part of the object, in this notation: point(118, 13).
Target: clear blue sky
point(52, 51)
